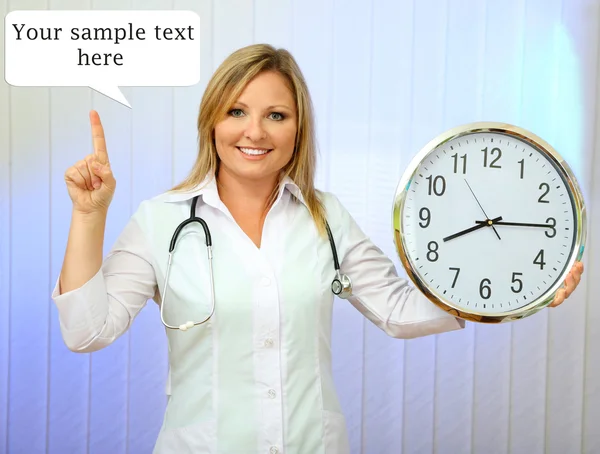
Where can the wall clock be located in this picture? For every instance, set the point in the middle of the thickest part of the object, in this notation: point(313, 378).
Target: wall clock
point(488, 220)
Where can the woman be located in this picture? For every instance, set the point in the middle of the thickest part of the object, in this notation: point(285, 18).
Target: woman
point(256, 377)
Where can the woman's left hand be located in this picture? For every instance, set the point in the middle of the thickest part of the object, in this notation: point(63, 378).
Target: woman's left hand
point(571, 283)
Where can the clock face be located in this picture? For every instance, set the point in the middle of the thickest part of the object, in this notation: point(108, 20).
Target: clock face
point(488, 223)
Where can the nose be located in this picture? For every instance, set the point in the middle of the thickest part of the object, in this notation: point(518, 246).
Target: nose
point(255, 130)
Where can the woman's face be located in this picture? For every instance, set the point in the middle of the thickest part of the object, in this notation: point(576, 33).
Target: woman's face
point(257, 137)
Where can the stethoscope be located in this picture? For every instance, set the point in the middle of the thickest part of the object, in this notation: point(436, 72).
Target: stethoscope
point(341, 285)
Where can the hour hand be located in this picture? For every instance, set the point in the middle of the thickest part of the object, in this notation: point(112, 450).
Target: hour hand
point(479, 225)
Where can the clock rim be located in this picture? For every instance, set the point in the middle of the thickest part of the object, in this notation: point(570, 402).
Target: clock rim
point(575, 194)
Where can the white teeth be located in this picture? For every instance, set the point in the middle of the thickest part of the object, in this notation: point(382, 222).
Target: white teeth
point(253, 151)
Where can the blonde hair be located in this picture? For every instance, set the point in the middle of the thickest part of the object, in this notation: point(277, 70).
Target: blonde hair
point(222, 91)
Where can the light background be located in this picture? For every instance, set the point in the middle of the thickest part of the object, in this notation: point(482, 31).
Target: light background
point(386, 76)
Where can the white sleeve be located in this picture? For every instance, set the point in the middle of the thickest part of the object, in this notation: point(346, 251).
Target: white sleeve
point(387, 300)
point(96, 314)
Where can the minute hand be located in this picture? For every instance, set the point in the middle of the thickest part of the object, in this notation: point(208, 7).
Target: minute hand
point(520, 224)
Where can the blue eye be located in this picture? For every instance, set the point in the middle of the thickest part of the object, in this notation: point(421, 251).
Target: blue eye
point(278, 116)
point(236, 112)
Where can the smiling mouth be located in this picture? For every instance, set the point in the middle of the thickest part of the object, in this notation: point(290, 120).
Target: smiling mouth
point(254, 151)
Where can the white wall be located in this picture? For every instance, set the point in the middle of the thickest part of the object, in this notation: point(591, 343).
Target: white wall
point(386, 77)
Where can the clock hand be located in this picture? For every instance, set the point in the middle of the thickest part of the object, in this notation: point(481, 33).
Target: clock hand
point(480, 225)
point(477, 200)
point(524, 224)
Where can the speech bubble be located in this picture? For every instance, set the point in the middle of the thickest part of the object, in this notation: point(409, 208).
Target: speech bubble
point(103, 50)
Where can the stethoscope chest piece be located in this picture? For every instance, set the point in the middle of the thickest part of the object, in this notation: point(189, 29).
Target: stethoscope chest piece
point(341, 285)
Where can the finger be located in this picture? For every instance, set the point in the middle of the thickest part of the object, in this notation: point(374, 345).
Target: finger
point(98, 138)
point(96, 181)
point(580, 265)
point(105, 174)
point(72, 174)
point(559, 298)
point(576, 276)
point(82, 168)
point(569, 285)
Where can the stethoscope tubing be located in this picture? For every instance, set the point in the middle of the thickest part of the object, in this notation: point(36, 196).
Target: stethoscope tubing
point(189, 324)
point(341, 285)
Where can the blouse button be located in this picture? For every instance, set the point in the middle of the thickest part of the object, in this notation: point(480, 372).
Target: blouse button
point(268, 342)
point(273, 450)
point(272, 393)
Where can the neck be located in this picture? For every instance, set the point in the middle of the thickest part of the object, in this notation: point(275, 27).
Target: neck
point(253, 195)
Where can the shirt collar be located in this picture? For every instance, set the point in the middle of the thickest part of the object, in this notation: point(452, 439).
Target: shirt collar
point(207, 191)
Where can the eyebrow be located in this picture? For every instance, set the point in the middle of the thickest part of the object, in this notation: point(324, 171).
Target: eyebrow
point(269, 107)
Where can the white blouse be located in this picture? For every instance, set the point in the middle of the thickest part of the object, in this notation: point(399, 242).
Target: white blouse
point(257, 377)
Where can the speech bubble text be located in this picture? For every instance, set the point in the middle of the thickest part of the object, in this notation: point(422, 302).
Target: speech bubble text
point(103, 50)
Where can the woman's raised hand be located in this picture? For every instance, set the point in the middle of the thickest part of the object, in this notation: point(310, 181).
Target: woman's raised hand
point(90, 182)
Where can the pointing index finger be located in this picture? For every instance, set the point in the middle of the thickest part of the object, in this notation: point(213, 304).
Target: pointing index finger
point(98, 138)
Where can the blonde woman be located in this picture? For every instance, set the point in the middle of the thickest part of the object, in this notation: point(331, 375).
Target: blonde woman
point(256, 376)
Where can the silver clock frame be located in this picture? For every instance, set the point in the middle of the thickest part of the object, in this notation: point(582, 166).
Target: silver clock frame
point(575, 194)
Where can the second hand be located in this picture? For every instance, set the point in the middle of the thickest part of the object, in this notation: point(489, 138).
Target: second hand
point(477, 200)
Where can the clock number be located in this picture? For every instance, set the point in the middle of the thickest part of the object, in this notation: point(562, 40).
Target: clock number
point(519, 281)
point(485, 157)
point(433, 185)
point(432, 254)
point(542, 186)
point(522, 162)
point(464, 164)
point(426, 218)
point(483, 288)
point(539, 259)
point(552, 222)
point(455, 276)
